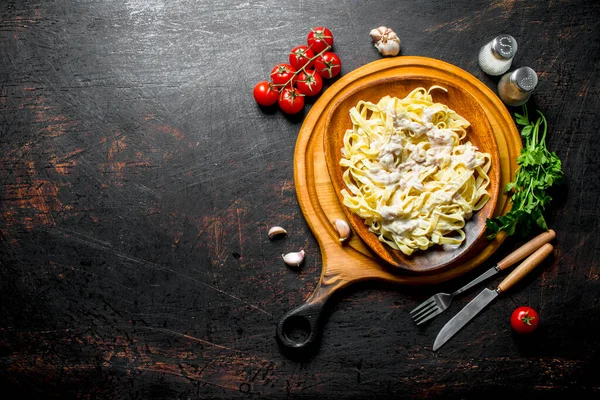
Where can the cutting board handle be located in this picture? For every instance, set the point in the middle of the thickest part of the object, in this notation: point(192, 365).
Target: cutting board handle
point(307, 320)
point(300, 328)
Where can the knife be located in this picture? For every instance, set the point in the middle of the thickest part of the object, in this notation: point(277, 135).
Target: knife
point(511, 259)
point(487, 295)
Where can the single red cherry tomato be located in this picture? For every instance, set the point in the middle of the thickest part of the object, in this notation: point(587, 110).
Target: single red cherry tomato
point(282, 73)
point(301, 56)
point(309, 83)
point(319, 39)
point(328, 65)
point(291, 101)
point(524, 319)
point(265, 93)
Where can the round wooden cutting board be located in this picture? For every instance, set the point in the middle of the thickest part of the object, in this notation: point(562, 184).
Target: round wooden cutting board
point(353, 261)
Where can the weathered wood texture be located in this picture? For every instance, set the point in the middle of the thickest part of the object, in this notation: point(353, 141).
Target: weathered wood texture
point(138, 179)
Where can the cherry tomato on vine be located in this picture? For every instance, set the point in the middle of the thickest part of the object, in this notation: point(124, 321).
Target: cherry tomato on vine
point(282, 73)
point(328, 65)
point(319, 38)
point(309, 83)
point(291, 101)
point(265, 93)
point(524, 319)
point(301, 56)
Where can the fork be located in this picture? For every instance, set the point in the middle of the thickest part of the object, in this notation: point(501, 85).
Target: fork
point(439, 302)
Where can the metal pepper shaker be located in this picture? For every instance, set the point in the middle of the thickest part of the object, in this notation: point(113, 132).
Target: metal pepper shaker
point(496, 56)
point(516, 87)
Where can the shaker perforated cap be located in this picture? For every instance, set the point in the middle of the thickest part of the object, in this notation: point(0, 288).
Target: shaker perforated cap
point(504, 46)
point(525, 79)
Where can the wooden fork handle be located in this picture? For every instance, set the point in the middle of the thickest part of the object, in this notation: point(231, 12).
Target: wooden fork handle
point(525, 267)
point(526, 249)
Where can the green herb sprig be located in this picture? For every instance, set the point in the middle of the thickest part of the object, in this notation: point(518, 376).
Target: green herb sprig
point(538, 170)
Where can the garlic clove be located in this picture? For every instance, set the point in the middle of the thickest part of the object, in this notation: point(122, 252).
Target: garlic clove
point(376, 34)
point(389, 48)
point(343, 229)
point(294, 259)
point(276, 231)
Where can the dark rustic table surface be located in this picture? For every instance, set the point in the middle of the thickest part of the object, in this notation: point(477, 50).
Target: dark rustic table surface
point(138, 180)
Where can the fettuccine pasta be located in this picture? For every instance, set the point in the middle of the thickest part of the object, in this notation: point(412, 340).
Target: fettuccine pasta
point(410, 175)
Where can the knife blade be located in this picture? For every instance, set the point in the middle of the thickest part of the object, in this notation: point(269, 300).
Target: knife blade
point(488, 295)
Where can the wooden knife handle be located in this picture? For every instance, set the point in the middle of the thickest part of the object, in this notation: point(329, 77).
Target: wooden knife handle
point(525, 267)
point(526, 249)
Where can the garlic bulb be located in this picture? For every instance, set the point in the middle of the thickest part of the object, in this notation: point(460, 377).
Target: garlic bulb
point(386, 41)
point(276, 231)
point(293, 259)
point(342, 228)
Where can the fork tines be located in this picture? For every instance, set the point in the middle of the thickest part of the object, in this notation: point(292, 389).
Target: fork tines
point(425, 311)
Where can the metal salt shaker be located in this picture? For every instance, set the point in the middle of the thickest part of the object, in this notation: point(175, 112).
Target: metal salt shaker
point(496, 57)
point(516, 87)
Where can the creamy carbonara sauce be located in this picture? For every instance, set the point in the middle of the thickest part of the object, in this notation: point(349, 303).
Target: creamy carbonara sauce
point(410, 175)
